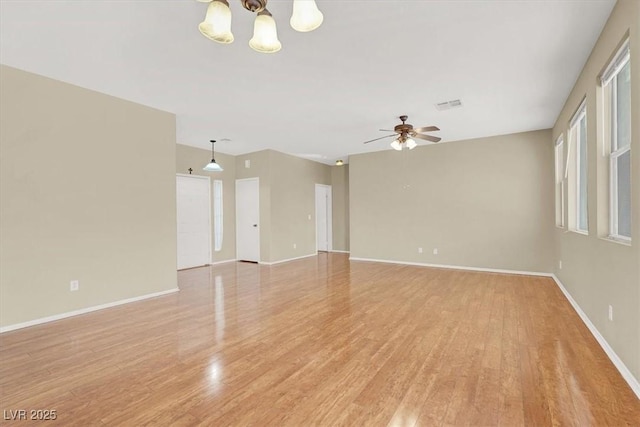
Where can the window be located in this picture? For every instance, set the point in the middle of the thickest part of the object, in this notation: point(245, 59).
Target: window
point(559, 173)
point(217, 215)
point(616, 82)
point(578, 215)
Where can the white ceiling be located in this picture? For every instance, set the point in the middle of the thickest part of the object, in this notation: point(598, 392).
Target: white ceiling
point(512, 62)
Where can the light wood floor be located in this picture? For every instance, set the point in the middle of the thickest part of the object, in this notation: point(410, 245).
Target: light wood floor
point(322, 341)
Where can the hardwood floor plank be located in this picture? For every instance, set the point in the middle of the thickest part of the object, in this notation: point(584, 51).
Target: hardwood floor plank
point(322, 341)
point(511, 410)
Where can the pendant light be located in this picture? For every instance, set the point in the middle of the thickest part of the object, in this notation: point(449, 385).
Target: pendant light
point(212, 166)
point(265, 34)
point(306, 16)
point(217, 23)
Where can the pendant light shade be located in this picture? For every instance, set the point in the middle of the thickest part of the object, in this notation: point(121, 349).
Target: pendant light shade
point(265, 34)
point(212, 166)
point(396, 145)
point(217, 23)
point(306, 16)
point(411, 144)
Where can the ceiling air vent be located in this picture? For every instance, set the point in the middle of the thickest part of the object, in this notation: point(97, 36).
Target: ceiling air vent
point(447, 105)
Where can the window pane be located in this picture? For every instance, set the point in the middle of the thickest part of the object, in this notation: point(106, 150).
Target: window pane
point(559, 162)
point(559, 176)
point(582, 175)
point(624, 194)
point(217, 215)
point(623, 107)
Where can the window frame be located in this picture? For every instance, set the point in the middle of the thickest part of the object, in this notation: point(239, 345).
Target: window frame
point(609, 83)
point(574, 136)
point(558, 153)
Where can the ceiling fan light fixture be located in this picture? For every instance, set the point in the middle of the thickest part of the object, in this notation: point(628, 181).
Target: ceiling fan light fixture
point(411, 144)
point(217, 23)
point(212, 166)
point(306, 16)
point(396, 145)
point(265, 34)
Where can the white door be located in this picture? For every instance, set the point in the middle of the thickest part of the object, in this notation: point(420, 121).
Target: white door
point(194, 220)
point(323, 217)
point(248, 219)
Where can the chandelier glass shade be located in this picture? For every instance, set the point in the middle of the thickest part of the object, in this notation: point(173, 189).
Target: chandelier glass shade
point(306, 16)
point(217, 23)
point(265, 34)
point(403, 141)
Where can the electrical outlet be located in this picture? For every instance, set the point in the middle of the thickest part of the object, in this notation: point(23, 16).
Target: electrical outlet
point(295, 246)
point(610, 313)
point(560, 264)
point(419, 250)
point(74, 285)
point(435, 251)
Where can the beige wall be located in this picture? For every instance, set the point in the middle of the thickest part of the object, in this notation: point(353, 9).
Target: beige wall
point(87, 192)
point(287, 198)
point(482, 203)
point(293, 182)
point(597, 272)
point(195, 158)
point(340, 199)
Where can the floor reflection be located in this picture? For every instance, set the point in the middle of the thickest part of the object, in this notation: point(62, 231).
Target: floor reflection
point(219, 308)
point(214, 376)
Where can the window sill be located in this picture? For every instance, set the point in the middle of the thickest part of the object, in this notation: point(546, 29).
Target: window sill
point(617, 240)
point(584, 233)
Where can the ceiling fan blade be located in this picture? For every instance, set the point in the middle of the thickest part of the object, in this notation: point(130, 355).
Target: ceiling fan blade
point(382, 137)
point(427, 137)
point(386, 130)
point(427, 129)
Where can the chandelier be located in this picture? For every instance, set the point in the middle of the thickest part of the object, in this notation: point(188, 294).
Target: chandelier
point(217, 23)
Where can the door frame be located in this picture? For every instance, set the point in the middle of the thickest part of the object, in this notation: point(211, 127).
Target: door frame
point(329, 215)
point(184, 175)
point(257, 180)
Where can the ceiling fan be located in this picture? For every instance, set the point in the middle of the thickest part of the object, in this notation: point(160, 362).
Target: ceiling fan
point(406, 132)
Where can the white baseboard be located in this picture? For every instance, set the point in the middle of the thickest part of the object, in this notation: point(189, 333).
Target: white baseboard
point(454, 267)
point(83, 311)
point(339, 252)
point(619, 364)
point(286, 260)
point(226, 261)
